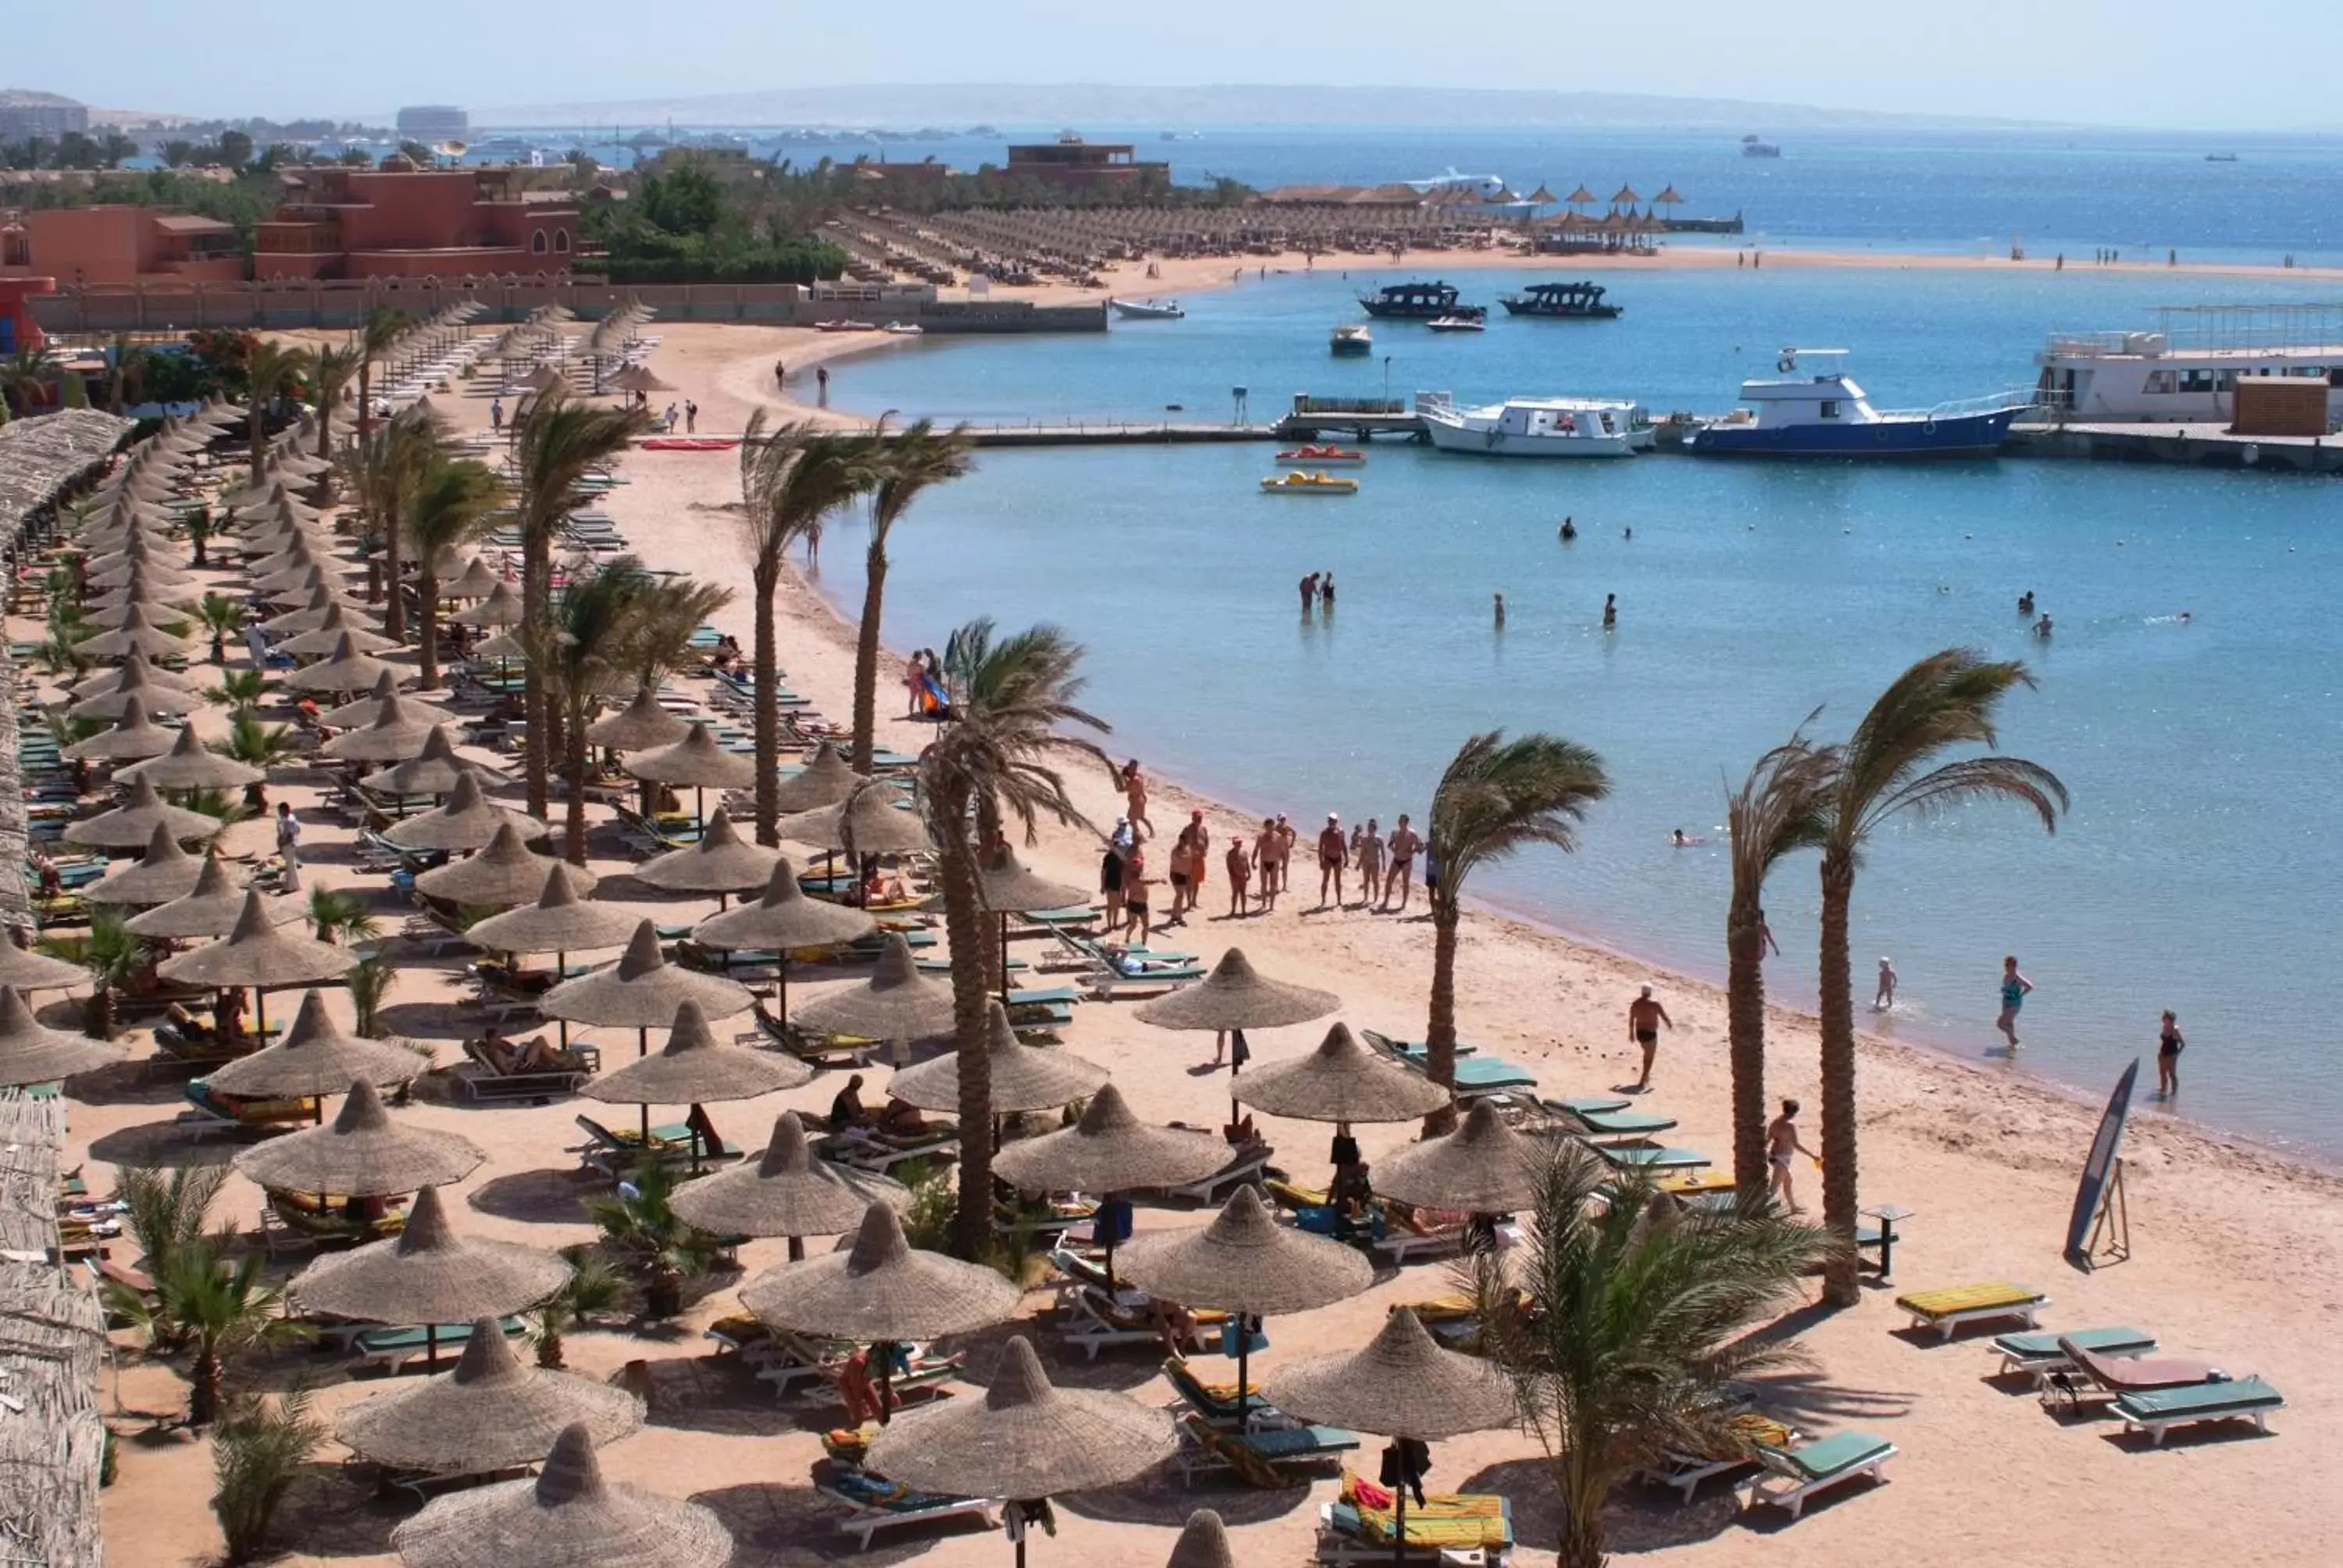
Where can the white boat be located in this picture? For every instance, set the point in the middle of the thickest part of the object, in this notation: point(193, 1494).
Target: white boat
point(1460, 322)
point(1351, 341)
point(2189, 371)
point(904, 329)
point(1537, 426)
point(1148, 310)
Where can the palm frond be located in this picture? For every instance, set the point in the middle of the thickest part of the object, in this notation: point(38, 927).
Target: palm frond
point(1498, 797)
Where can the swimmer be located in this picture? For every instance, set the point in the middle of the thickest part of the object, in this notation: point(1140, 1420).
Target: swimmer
point(1681, 841)
point(2025, 602)
point(1627, 533)
point(1501, 610)
point(2042, 627)
point(1569, 530)
point(1610, 612)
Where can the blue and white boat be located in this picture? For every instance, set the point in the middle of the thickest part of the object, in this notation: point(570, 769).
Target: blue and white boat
point(1825, 415)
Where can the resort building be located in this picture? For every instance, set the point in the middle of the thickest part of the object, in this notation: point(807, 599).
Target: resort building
point(432, 124)
point(1072, 163)
point(399, 221)
point(111, 243)
point(25, 114)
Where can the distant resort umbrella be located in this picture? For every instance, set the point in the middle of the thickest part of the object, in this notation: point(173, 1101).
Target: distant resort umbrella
point(364, 710)
point(137, 682)
point(782, 921)
point(427, 1275)
point(1244, 1262)
point(897, 1002)
point(433, 771)
point(1668, 197)
point(132, 824)
point(423, 407)
point(635, 378)
point(316, 1059)
point(1110, 1152)
point(1484, 1167)
point(1542, 197)
point(212, 908)
point(560, 922)
point(504, 650)
point(695, 1068)
point(788, 1192)
point(824, 780)
point(312, 598)
point(490, 1413)
point(697, 761)
point(133, 674)
point(478, 581)
point(31, 1052)
point(133, 737)
point(347, 670)
point(1026, 1440)
point(1203, 1543)
point(363, 1153)
point(546, 379)
point(1024, 1077)
point(506, 873)
point(189, 764)
point(502, 607)
point(260, 955)
point(1580, 196)
point(641, 992)
point(1236, 997)
point(166, 872)
point(641, 726)
point(1624, 193)
point(340, 625)
point(722, 862)
point(1341, 1081)
point(23, 970)
point(1008, 888)
point(565, 1516)
point(468, 821)
point(396, 733)
point(866, 823)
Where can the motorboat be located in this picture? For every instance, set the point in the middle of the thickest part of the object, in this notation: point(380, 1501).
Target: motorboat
point(904, 329)
point(1826, 415)
point(1537, 426)
point(1317, 483)
point(847, 325)
point(1578, 301)
point(1351, 342)
point(1322, 454)
point(1411, 302)
point(1758, 147)
point(1148, 309)
point(1464, 318)
point(2189, 371)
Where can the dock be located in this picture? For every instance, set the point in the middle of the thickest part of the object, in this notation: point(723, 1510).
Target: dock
point(2208, 444)
point(1114, 433)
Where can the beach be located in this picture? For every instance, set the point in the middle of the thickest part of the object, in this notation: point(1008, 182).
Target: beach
point(2235, 1250)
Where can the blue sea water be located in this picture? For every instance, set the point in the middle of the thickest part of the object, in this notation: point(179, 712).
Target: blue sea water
point(2201, 869)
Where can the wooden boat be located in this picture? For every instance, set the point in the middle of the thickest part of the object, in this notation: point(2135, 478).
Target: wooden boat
point(1581, 301)
point(1310, 484)
point(1410, 302)
point(1322, 454)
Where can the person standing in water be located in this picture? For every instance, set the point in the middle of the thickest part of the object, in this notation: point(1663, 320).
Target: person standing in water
point(2014, 988)
point(1309, 593)
point(1569, 530)
point(2170, 1044)
point(1501, 610)
point(1883, 998)
point(1326, 592)
point(1610, 612)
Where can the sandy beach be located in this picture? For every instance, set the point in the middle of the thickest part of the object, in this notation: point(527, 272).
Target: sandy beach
point(2237, 1256)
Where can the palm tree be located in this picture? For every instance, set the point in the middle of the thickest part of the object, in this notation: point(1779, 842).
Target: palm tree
point(343, 917)
point(223, 617)
point(216, 1304)
point(908, 466)
point(1782, 807)
point(1015, 703)
point(375, 334)
point(259, 1449)
point(165, 1210)
point(383, 469)
point(450, 506)
point(562, 443)
point(1498, 796)
point(641, 1227)
point(790, 479)
point(201, 526)
point(271, 375)
point(239, 688)
point(255, 744)
point(1636, 1332)
point(1888, 766)
point(593, 1288)
point(112, 955)
point(331, 375)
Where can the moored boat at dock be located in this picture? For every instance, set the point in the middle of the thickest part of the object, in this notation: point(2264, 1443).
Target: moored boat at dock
point(2189, 370)
point(1411, 302)
point(1580, 301)
point(1322, 454)
point(1536, 426)
point(1827, 415)
point(1148, 309)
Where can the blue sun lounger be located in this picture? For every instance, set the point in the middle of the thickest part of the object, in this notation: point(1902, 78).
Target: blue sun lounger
point(2158, 1410)
point(1652, 1156)
point(1811, 1467)
point(1628, 1123)
point(2037, 1354)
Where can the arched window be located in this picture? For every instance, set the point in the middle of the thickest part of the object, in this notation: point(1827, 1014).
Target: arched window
point(561, 240)
point(537, 242)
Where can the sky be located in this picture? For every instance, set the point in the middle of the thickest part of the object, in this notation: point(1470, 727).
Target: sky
point(2237, 64)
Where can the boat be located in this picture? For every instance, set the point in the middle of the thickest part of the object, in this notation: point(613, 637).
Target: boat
point(2189, 372)
point(1349, 342)
point(1148, 310)
point(1464, 318)
point(1825, 415)
point(1758, 147)
point(904, 329)
point(1411, 302)
point(1486, 187)
point(1322, 454)
point(1310, 484)
point(1580, 301)
point(1537, 426)
point(2220, 158)
point(848, 324)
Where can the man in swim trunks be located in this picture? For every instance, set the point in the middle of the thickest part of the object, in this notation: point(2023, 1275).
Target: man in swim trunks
point(1240, 874)
point(1136, 886)
point(1782, 1146)
point(2014, 989)
point(1884, 997)
point(1332, 853)
point(1265, 846)
point(1646, 1016)
point(1367, 855)
point(1403, 846)
point(1309, 593)
point(1285, 853)
point(1184, 856)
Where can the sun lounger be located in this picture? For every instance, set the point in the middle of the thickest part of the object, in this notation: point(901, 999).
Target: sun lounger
point(1415, 1048)
point(1684, 1470)
point(2157, 1411)
point(1292, 1197)
point(1477, 1076)
point(1406, 1236)
point(1947, 1308)
point(1794, 1475)
point(391, 1349)
point(306, 1218)
point(2095, 1373)
point(207, 1112)
point(1245, 1166)
point(2037, 1354)
point(614, 1153)
point(817, 1050)
point(742, 1336)
point(1096, 1320)
point(867, 1148)
point(1651, 1156)
point(874, 1504)
point(1599, 1126)
point(1214, 1403)
point(1448, 1528)
point(423, 1485)
point(1254, 1457)
point(487, 1080)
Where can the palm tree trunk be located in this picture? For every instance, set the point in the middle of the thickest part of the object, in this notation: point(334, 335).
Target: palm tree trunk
point(204, 1389)
point(575, 840)
point(1840, 1287)
point(535, 590)
point(866, 657)
point(1584, 1492)
point(394, 614)
point(1440, 1029)
point(427, 589)
point(768, 702)
point(366, 396)
point(325, 436)
point(956, 868)
point(1745, 1009)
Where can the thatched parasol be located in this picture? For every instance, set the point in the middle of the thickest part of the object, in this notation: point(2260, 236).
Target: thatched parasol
point(358, 714)
point(317, 1059)
point(121, 675)
point(133, 823)
point(881, 1288)
point(32, 1052)
point(260, 955)
point(866, 823)
point(311, 607)
point(558, 922)
point(26, 970)
point(788, 1192)
point(567, 1516)
point(433, 771)
point(783, 919)
point(897, 1002)
point(1203, 1543)
point(1341, 1081)
point(490, 1413)
point(134, 737)
point(1010, 889)
point(696, 760)
point(396, 733)
point(1025, 1439)
point(546, 379)
point(347, 670)
point(167, 872)
point(635, 378)
point(210, 907)
point(824, 782)
point(362, 1153)
point(1580, 197)
point(720, 863)
point(1237, 995)
point(506, 873)
point(340, 623)
point(478, 581)
point(1110, 1150)
point(1624, 193)
point(137, 683)
point(502, 607)
point(426, 1274)
point(1668, 197)
point(642, 990)
point(466, 821)
point(1484, 1167)
point(189, 764)
point(641, 726)
point(1024, 1077)
point(694, 1068)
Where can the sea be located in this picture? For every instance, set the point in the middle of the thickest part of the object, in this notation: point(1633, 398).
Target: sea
point(2190, 696)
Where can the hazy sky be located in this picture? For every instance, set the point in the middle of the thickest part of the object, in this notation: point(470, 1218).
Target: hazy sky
point(2179, 62)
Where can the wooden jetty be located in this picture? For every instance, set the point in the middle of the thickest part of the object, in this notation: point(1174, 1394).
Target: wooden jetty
point(2210, 445)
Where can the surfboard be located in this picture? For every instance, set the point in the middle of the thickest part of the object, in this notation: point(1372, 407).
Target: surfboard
point(2105, 1145)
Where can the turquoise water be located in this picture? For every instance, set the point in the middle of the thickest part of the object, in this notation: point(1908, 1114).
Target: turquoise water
point(2199, 869)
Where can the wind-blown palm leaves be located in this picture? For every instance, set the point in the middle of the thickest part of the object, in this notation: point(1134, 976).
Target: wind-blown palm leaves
point(330, 374)
point(272, 373)
point(383, 468)
point(1497, 797)
point(450, 503)
point(908, 466)
point(380, 329)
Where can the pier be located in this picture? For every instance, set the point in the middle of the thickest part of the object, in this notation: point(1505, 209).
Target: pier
point(1115, 433)
point(2209, 445)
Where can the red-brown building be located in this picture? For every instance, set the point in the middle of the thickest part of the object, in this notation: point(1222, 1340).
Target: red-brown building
point(113, 244)
point(405, 222)
point(1072, 163)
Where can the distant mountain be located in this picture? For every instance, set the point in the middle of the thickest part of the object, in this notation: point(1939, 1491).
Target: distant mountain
point(1098, 103)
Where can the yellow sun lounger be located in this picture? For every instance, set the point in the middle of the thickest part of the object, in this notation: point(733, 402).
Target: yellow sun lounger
point(1947, 1308)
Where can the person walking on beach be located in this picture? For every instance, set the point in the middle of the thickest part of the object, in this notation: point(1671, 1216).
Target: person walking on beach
point(1135, 795)
point(1883, 998)
point(1239, 875)
point(496, 414)
point(289, 834)
point(781, 373)
point(1188, 864)
point(1331, 852)
point(2014, 990)
point(915, 684)
point(1646, 1016)
point(1265, 846)
point(1309, 593)
point(1117, 845)
point(2168, 1047)
point(1137, 886)
point(1782, 1148)
point(1403, 846)
point(691, 417)
point(1285, 836)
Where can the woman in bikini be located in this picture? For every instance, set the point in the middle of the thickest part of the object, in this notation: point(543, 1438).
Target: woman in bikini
point(1134, 792)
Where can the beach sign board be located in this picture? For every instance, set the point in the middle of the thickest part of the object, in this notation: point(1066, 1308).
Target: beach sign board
point(2106, 1147)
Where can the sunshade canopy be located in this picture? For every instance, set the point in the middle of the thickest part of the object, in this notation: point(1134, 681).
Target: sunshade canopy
point(1110, 1150)
point(881, 1289)
point(694, 1067)
point(490, 1413)
point(642, 990)
point(788, 1192)
point(363, 1153)
point(1341, 1081)
point(1245, 1262)
point(897, 1002)
point(566, 1517)
point(1237, 995)
point(33, 1053)
point(1024, 1077)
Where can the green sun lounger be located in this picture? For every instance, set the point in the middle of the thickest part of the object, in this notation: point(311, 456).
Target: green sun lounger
point(2037, 1354)
point(1585, 1104)
point(1627, 1123)
point(1414, 1049)
point(1651, 1156)
point(1797, 1473)
point(2158, 1410)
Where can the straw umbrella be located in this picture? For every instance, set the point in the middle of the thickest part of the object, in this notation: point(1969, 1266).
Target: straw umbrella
point(635, 378)
point(358, 714)
point(641, 726)
point(134, 739)
point(722, 862)
point(783, 919)
point(1236, 997)
point(788, 1192)
point(1342, 1082)
point(260, 955)
point(897, 1004)
point(347, 670)
point(1026, 1440)
point(478, 580)
point(1245, 1262)
point(137, 683)
point(396, 733)
point(339, 623)
point(1484, 1167)
point(468, 821)
point(167, 872)
point(310, 609)
point(507, 872)
point(824, 782)
point(696, 760)
point(429, 1275)
point(211, 907)
point(1008, 888)
point(642, 992)
point(32, 1052)
point(559, 923)
point(433, 771)
point(881, 1291)
point(317, 1059)
point(1401, 1385)
point(134, 669)
point(567, 1516)
point(1203, 1543)
point(1110, 1152)
point(363, 1153)
point(864, 823)
point(189, 764)
point(24, 970)
point(134, 822)
point(695, 1068)
point(502, 607)
point(490, 1413)
point(1024, 1077)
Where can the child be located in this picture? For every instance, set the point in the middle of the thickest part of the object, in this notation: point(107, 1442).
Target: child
point(1885, 997)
